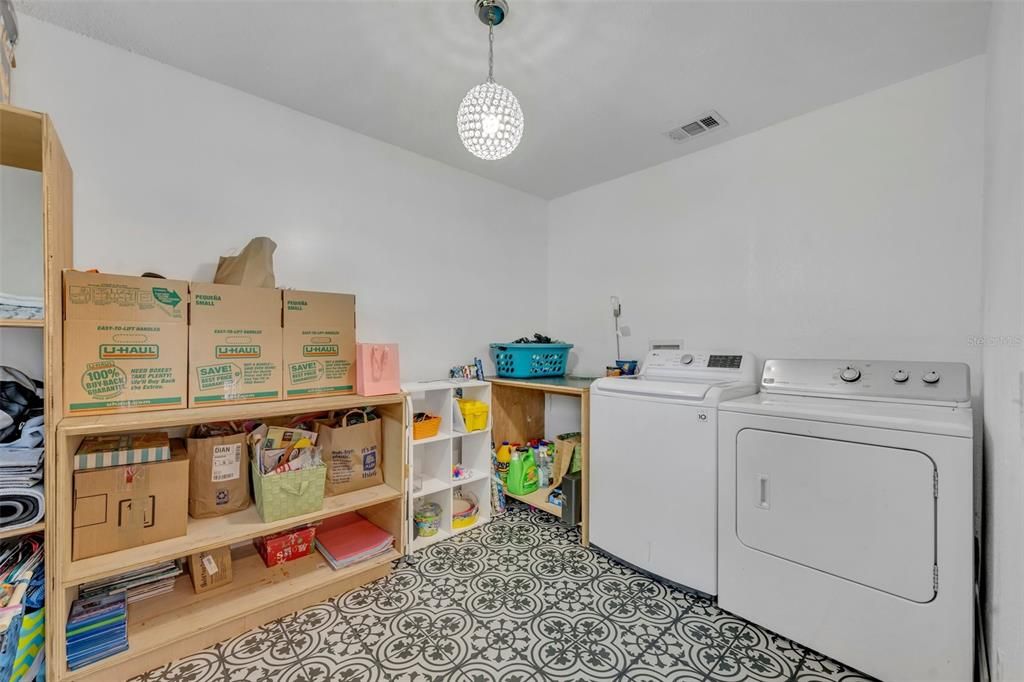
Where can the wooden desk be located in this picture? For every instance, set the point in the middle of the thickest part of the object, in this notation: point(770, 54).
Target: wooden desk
point(517, 407)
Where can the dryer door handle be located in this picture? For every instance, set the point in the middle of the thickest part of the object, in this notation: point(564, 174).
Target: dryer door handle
point(763, 492)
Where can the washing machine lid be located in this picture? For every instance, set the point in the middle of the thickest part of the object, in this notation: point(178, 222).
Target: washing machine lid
point(939, 420)
point(858, 511)
point(639, 388)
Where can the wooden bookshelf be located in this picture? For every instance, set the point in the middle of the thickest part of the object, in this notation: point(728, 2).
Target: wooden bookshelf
point(29, 141)
point(173, 625)
point(167, 627)
point(23, 324)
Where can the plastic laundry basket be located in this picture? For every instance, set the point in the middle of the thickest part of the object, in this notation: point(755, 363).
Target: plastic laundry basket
point(527, 360)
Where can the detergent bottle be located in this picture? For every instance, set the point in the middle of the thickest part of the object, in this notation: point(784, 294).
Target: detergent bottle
point(503, 458)
point(522, 472)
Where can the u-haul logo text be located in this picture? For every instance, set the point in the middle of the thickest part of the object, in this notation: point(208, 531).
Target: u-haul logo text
point(129, 351)
point(224, 352)
point(318, 350)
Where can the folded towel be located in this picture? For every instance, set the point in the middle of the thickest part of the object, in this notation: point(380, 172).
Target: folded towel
point(20, 507)
point(22, 301)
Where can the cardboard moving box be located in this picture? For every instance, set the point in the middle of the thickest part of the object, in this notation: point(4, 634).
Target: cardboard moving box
point(125, 343)
point(126, 506)
point(319, 344)
point(234, 345)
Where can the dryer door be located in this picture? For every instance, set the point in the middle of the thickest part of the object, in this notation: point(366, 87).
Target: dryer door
point(861, 512)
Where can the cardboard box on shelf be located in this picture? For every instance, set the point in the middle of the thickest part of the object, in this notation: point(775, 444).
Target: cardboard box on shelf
point(125, 343)
point(210, 569)
point(234, 345)
point(127, 506)
point(319, 344)
point(97, 452)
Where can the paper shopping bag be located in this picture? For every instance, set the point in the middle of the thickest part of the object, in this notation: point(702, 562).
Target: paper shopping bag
point(253, 267)
point(352, 453)
point(377, 369)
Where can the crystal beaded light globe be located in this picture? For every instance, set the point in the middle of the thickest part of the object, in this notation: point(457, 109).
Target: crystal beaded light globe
point(490, 121)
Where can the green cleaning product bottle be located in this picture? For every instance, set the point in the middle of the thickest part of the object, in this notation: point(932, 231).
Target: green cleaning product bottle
point(522, 472)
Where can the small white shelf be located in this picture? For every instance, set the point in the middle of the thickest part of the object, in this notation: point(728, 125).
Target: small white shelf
point(431, 486)
point(443, 435)
point(475, 475)
point(434, 458)
point(460, 434)
point(423, 542)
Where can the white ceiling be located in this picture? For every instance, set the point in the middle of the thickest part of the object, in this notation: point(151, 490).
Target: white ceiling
point(599, 81)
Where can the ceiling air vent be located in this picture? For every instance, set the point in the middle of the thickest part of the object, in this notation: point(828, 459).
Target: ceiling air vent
point(706, 123)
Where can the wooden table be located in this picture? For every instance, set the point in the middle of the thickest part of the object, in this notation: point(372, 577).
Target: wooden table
point(518, 416)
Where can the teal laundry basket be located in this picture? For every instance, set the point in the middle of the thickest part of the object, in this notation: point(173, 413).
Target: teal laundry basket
point(530, 360)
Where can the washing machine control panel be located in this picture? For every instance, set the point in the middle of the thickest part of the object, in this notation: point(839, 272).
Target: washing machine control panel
point(944, 382)
point(681, 365)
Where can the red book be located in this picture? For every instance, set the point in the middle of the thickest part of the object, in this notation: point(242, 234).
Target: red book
point(349, 536)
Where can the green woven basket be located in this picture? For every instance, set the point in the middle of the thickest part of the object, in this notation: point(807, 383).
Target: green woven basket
point(280, 496)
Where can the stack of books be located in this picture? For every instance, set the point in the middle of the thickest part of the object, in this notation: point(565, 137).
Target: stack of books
point(350, 539)
point(137, 585)
point(97, 628)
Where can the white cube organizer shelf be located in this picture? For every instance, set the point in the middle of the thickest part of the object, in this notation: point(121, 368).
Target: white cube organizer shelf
point(432, 459)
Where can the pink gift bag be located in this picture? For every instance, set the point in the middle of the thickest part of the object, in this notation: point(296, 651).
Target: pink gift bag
point(377, 369)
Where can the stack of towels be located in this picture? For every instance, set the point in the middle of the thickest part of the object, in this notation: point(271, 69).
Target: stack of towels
point(21, 477)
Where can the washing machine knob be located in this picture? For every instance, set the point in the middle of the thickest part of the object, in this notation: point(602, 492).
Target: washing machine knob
point(900, 376)
point(686, 359)
point(931, 377)
point(850, 374)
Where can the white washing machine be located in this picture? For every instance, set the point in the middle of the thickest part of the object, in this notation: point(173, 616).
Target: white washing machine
point(845, 518)
point(653, 462)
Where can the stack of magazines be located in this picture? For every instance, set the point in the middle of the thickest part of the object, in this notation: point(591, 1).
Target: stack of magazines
point(350, 539)
point(97, 628)
point(136, 585)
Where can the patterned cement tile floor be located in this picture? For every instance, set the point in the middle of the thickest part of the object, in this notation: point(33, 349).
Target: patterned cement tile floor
point(517, 600)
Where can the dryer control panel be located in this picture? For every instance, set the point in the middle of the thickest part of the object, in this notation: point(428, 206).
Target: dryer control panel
point(884, 380)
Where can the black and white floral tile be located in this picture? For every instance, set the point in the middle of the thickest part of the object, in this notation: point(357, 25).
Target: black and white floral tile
point(517, 600)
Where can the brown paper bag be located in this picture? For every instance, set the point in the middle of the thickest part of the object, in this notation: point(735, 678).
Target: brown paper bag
point(565, 445)
point(218, 475)
point(351, 452)
point(253, 267)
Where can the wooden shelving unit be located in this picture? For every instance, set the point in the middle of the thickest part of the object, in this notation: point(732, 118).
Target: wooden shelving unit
point(519, 407)
point(29, 141)
point(23, 324)
point(431, 459)
point(167, 627)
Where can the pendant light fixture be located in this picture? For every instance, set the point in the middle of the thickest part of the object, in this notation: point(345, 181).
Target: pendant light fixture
point(490, 120)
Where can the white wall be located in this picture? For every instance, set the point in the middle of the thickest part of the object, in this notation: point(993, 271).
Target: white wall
point(851, 231)
point(21, 231)
point(172, 171)
point(1003, 355)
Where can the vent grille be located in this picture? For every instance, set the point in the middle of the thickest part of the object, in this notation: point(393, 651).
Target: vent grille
point(706, 123)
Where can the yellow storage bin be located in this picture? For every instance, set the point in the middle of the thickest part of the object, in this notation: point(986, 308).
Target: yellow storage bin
point(474, 413)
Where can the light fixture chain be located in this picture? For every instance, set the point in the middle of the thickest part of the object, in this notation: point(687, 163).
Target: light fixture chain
point(490, 51)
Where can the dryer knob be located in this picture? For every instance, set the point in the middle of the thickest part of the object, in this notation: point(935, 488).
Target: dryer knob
point(931, 377)
point(686, 359)
point(850, 374)
point(900, 376)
